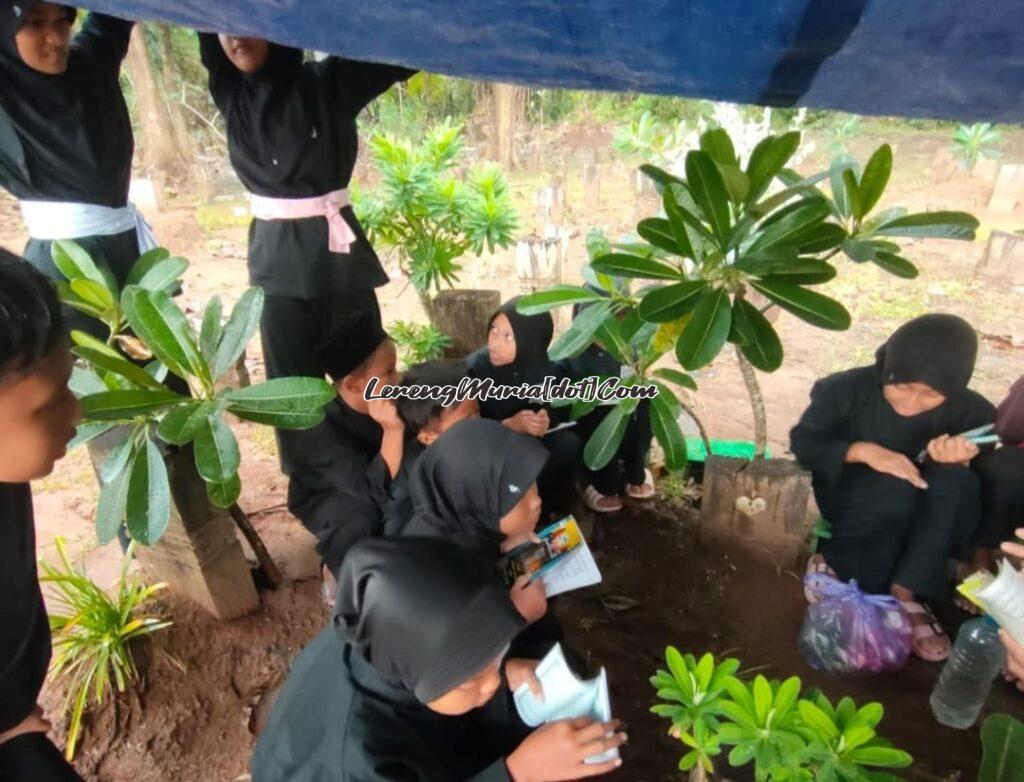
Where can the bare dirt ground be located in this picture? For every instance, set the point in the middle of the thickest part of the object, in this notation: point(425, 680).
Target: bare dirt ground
point(191, 724)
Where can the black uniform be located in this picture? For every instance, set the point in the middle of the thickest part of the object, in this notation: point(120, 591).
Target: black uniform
point(24, 644)
point(339, 481)
point(69, 138)
point(884, 530)
point(630, 462)
point(292, 134)
point(531, 365)
point(399, 509)
point(415, 618)
point(1002, 475)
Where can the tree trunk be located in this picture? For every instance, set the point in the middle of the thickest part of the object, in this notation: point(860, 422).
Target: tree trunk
point(508, 108)
point(462, 315)
point(169, 81)
point(756, 404)
point(159, 150)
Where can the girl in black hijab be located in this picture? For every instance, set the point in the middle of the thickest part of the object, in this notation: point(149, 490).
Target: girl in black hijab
point(896, 518)
point(516, 354)
point(403, 686)
point(66, 139)
point(291, 128)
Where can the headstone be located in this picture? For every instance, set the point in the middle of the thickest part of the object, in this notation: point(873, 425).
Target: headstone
point(539, 260)
point(591, 186)
point(142, 193)
point(1003, 259)
point(551, 204)
point(1009, 189)
point(986, 169)
point(943, 165)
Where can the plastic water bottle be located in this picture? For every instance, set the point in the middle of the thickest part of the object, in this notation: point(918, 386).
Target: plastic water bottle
point(975, 661)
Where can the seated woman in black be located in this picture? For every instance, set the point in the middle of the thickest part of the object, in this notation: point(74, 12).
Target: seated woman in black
point(517, 354)
point(889, 472)
point(404, 685)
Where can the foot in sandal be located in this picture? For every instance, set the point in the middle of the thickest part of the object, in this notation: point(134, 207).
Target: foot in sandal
point(644, 491)
point(817, 566)
point(931, 643)
point(601, 503)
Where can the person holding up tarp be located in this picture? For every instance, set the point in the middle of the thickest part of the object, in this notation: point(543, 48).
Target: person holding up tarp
point(406, 683)
point(890, 470)
point(38, 414)
point(66, 140)
point(292, 140)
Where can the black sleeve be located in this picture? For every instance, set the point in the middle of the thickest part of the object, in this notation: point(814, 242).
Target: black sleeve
point(357, 83)
point(818, 440)
point(104, 41)
point(225, 78)
point(32, 756)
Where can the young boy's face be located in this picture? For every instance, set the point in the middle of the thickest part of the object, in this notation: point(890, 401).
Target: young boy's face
point(246, 54)
point(38, 414)
point(468, 408)
point(501, 341)
point(471, 694)
point(44, 38)
point(521, 521)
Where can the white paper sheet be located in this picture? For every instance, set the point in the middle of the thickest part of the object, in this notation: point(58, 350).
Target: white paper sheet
point(575, 570)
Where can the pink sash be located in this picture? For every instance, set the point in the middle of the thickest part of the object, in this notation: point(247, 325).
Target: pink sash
point(339, 232)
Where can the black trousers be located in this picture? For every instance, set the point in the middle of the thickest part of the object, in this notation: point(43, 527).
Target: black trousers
point(630, 461)
point(885, 531)
point(1002, 495)
point(292, 331)
point(557, 481)
point(32, 757)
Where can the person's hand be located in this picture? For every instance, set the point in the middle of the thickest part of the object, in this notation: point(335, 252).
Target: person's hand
point(519, 421)
point(33, 723)
point(556, 751)
point(1015, 549)
point(519, 672)
point(888, 462)
point(529, 598)
point(385, 413)
point(542, 422)
point(951, 450)
point(1014, 660)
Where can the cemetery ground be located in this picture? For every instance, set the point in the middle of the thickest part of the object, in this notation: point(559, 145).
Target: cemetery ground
point(189, 718)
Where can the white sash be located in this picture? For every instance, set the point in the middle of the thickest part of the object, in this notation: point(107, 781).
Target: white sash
point(51, 220)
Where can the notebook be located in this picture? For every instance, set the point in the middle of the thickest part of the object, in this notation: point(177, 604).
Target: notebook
point(562, 559)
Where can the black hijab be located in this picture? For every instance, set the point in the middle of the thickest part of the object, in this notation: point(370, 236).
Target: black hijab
point(423, 613)
point(936, 349)
point(72, 136)
point(533, 336)
point(348, 346)
point(468, 479)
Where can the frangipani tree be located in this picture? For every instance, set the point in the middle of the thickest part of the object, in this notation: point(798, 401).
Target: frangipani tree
point(728, 230)
point(116, 389)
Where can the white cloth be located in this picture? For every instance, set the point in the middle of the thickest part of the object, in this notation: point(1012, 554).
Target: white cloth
point(52, 220)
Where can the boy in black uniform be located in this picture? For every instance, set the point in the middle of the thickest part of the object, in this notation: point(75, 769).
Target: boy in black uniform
point(425, 420)
point(342, 468)
point(292, 139)
point(38, 414)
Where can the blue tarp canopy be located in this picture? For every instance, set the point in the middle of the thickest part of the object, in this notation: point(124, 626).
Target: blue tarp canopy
point(955, 59)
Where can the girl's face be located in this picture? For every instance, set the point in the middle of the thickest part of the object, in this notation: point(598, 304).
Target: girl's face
point(246, 54)
point(501, 341)
point(910, 399)
point(522, 519)
point(471, 694)
point(44, 38)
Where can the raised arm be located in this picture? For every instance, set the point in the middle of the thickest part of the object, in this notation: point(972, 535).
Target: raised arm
point(358, 83)
point(225, 78)
point(103, 40)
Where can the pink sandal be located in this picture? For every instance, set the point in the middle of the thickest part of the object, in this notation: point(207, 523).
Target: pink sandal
point(601, 503)
point(643, 492)
point(930, 630)
point(817, 566)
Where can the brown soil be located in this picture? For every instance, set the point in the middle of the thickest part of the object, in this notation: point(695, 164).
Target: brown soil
point(663, 586)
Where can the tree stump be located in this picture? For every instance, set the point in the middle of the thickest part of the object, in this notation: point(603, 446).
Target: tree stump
point(1003, 259)
point(761, 505)
point(463, 315)
point(199, 555)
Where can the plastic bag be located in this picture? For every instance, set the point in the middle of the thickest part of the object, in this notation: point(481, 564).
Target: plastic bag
point(848, 630)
